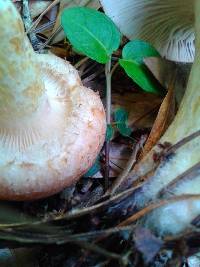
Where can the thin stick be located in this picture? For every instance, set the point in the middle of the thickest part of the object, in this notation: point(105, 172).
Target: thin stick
point(99, 250)
point(156, 205)
point(37, 21)
point(114, 68)
point(108, 119)
point(182, 142)
point(81, 62)
point(188, 175)
point(50, 38)
point(26, 15)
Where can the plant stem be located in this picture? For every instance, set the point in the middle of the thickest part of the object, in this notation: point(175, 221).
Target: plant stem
point(108, 91)
point(108, 119)
point(37, 21)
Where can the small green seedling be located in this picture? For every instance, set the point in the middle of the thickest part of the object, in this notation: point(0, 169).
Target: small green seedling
point(93, 34)
point(133, 54)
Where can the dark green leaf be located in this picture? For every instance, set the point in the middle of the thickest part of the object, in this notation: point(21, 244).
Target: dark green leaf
point(120, 115)
point(91, 32)
point(133, 54)
point(137, 50)
point(124, 129)
point(109, 132)
point(94, 169)
point(139, 74)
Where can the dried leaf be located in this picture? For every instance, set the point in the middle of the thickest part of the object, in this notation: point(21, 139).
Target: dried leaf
point(141, 107)
point(165, 115)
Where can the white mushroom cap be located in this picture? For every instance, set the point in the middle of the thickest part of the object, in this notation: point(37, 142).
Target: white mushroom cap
point(167, 24)
point(51, 126)
point(52, 148)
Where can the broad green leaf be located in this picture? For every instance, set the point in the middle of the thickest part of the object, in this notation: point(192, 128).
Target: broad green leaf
point(94, 169)
point(139, 74)
point(91, 32)
point(137, 50)
point(109, 132)
point(59, 36)
point(132, 62)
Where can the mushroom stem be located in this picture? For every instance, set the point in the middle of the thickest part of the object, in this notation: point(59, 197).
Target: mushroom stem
point(21, 86)
point(186, 122)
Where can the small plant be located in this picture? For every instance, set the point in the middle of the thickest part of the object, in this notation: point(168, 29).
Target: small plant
point(93, 34)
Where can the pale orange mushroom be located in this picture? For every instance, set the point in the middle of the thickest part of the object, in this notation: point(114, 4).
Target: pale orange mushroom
point(51, 127)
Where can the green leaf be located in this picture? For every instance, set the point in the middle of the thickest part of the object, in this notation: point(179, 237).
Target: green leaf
point(133, 54)
point(94, 169)
point(120, 115)
point(137, 50)
point(109, 132)
point(91, 32)
point(124, 129)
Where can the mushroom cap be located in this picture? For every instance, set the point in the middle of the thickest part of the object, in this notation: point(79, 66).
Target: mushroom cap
point(52, 148)
point(168, 25)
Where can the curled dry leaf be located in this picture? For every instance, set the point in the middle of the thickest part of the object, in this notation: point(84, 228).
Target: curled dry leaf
point(164, 118)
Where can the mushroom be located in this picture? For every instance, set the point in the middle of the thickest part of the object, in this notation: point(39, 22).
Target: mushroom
point(167, 25)
point(177, 176)
point(51, 127)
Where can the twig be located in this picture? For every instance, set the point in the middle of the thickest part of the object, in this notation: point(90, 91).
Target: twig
point(114, 68)
point(44, 27)
point(99, 250)
point(50, 38)
point(81, 62)
point(131, 162)
point(37, 21)
point(182, 142)
point(108, 119)
point(156, 205)
point(26, 15)
point(187, 175)
point(92, 76)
